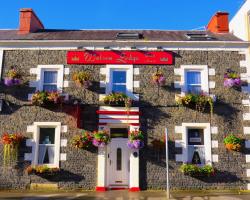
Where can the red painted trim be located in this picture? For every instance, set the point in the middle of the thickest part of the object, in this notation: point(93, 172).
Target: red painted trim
point(118, 188)
point(121, 118)
point(134, 189)
point(135, 124)
point(118, 112)
point(101, 189)
point(78, 116)
point(102, 124)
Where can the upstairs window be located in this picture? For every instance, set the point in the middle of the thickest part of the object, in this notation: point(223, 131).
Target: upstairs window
point(119, 81)
point(193, 82)
point(50, 80)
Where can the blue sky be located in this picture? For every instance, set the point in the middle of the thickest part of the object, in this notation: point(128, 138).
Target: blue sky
point(118, 14)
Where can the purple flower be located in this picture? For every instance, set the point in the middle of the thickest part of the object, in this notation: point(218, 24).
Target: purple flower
point(16, 81)
point(237, 81)
point(135, 144)
point(97, 143)
point(228, 82)
point(162, 80)
point(8, 82)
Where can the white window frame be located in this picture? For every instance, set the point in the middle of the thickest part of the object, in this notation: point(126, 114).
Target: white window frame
point(129, 78)
point(40, 75)
point(36, 136)
point(1, 63)
point(207, 140)
point(204, 77)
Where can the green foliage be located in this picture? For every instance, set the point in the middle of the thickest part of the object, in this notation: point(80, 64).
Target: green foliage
point(232, 139)
point(194, 170)
point(117, 99)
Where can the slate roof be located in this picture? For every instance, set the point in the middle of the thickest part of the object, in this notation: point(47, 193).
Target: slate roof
point(149, 35)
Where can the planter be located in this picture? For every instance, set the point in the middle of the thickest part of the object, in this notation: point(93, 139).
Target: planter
point(44, 98)
point(42, 170)
point(82, 79)
point(135, 144)
point(232, 79)
point(197, 171)
point(135, 139)
point(233, 143)
point(83, 141)
point(12, 81)
point(118, 99)
point(101, 138)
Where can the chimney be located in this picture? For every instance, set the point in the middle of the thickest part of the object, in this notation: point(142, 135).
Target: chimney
point(219, 23)
point(28, 21)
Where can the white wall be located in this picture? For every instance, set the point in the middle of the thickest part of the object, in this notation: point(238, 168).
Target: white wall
point(238, 25)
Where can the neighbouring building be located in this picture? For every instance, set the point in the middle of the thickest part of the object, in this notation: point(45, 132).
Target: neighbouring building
point(189, 62)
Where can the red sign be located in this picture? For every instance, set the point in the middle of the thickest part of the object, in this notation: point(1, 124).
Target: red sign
point(120, 57)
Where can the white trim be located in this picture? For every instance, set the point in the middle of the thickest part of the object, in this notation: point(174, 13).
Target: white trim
point(248, 158)
point(214, 130)
point(178, 129)
point(211, 72)
point(37, 126)
point(179, 157)
point(102, 84)
point(1, 63)
point(136, 71)
point(247, 143)
point(248, 186)
point(33, 70)
point(204, 77)
point(66, 71)
point(63, 142)
point(248, 172)
point(136, 84)
point(129, 81)
point(29, 142)
point(215, 144)
point(64, 129)
point(211, 84)
point(207, 140)
point(178, 143)
point(65, 84)
point(243, 63)
point(63, 156)
point(101, 167)
point(103, 71)
point(246, 116)
point(246, 130)
point(215, 158)
point(42, 68)
point(177, 71)
point(30, 129)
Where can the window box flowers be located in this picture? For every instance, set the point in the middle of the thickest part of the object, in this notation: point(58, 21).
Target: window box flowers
point(197, 101)
point(232, 79)
point(11, 144)
point(233, 143)
point(135, 140)
point(44, 97)
point(42, 170)
point(118, 99)
point(159, 79)
point(101, 138)
point(82, 79)
point(82, 141)
point(13, 78)
point(197, 171)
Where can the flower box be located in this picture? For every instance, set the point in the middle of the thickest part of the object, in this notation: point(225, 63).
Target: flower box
point(43, 170)
point(232, 79)
point(83, 141)
point(135, 140)
point(13, 78)
point(233, 143)
point(197, 171)
point(101, 138)
point(196, 101)
point(42, 98)
point(118, 99)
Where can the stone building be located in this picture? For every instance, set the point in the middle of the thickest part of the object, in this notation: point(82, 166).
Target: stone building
point(124, 61)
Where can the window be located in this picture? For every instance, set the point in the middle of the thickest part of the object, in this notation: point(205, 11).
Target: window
point(50, 77)
point(194, 79)
point(119, 133)
point(119, 159)
point(119, 81)
point(46, 149)
point(193, 82)
point(50, 81)
point(119, 78)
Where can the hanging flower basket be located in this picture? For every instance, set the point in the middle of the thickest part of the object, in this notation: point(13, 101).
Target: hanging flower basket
point(101, 138)
point(82, 79)
point(159, 79)
point(11, 144)
point(135, 140)
point(41, 98)
point(232, 79)
point(197, 171)
point(233, 143)
point(82, 141)
point(118, 99)
point(13, 78)
point(196, 101)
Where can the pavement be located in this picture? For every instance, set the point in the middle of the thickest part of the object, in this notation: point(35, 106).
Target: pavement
point(122, 195)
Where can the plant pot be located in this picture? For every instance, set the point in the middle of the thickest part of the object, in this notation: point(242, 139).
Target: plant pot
point(230, 82)
point(11, 82)
point(135, 144)
point(233, 147)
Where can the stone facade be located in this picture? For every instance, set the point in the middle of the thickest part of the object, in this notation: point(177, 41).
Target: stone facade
point(158, 109)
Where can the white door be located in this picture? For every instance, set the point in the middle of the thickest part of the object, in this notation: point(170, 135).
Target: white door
point(118, 163)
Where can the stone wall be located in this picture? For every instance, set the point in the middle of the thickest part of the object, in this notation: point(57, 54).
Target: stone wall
point(158, 109)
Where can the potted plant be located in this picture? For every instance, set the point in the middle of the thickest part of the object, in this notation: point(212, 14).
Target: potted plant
point(43, 97)
point(159, 79)
point(82, 141)
point(232, 79)
point(101, 138)
point(13, 78)
point(197, 171)
point(82, 79)
point(135, 140)
point(11, 144)
point(118, 99)
point(41, 170)
point(233, 143)
point(197, 101)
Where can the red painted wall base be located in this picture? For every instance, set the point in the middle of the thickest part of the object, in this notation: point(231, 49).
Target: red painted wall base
point(134, 189)
point(100, 189)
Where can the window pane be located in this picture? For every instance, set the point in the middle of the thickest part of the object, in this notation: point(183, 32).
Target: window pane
point(119, 159)
point(119, 76)
point(119, 88)
point(50, 77)
point(119, 133)
point(193, 77)
point(195, 137)
point(50, 88)
point(46, 154)
point(193, 89)
point(47, 136)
